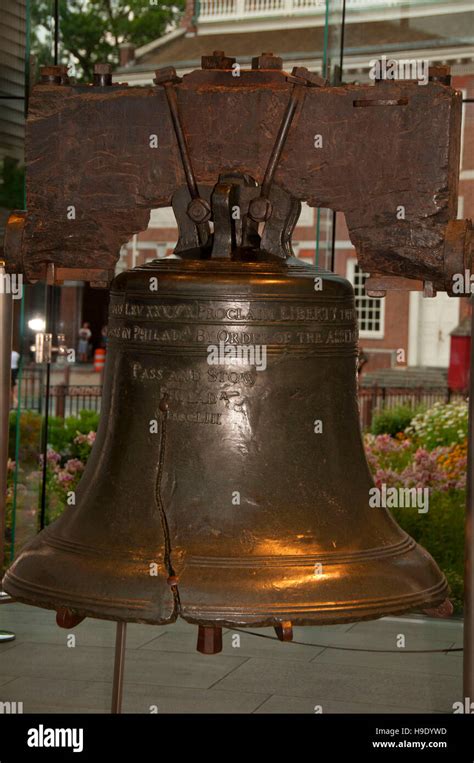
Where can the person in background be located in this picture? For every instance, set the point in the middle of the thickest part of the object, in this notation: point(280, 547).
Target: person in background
point(85, 334)
point(362, 359)
point(103, 337)
point(14, 365)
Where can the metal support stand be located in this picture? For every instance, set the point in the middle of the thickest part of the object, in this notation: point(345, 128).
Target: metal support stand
point(6, 329)
point(117, 691)
point(468, 663)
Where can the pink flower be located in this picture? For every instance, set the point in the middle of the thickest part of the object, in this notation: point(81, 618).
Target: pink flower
point(83, 439)
point(64, 478)
point(74, 465)
point(52, 458)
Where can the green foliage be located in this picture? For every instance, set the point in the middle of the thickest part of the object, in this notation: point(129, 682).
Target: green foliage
point(30, 437)
point(62, 432)
point(441, 532)
point(392, 420)
point(442, 424)
point(92, 30)
point(12, 179)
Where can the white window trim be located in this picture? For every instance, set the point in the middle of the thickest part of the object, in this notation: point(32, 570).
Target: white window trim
point(364, 334)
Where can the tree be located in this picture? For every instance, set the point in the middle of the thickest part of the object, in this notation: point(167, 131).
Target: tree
point(90, 31)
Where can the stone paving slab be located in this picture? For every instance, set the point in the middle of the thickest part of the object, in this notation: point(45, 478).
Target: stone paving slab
point(385, 639)
point(181, 670)
point(262, 675)
point(5, 679)
point(38, 692)
point(96, 663)
point(415, 629)
point(51, 661)
point(430, 664)
point(250, 646)
point(87, 633)
point(61, 695)
point(14, 613)
point(322, 682)
point(60, 710)
point(143, 698)
point(289, 705)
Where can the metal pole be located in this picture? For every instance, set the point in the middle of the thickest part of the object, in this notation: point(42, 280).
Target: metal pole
point(6, 334)
point(117, 690)
point(468, 664)
point(42, 521)
point(56, 32)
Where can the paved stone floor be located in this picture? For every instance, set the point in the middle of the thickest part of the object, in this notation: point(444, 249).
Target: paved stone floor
point(164, 673)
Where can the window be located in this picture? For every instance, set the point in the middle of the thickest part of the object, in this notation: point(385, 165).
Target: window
point(370, 310)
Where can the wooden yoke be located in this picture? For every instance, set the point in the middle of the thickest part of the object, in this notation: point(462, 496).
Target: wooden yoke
point(100, 157)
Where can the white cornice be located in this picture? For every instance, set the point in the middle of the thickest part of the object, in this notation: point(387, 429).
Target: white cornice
point(169, 37)
point(274, 21)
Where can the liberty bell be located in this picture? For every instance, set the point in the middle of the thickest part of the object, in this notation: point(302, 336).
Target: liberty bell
point(228, 483)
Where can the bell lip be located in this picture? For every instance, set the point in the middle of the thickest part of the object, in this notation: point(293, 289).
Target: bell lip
point(85, 612)
point(321, 616)
point(21, 591)
point(230, 618)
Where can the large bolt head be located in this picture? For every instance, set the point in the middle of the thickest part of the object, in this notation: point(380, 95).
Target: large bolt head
point(102, 69)
point(199, 211)
point(260, 209)
point(56, 75)
point(166, 76)
point(441, 74)
point(267, 61)
point(218, 60)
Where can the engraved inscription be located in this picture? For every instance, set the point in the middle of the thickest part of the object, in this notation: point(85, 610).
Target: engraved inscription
point(196, 417)
point(197, 311)
point(201, 335)
point(191, 376)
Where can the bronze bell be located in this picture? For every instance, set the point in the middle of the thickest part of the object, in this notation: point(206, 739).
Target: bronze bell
point(228, 490)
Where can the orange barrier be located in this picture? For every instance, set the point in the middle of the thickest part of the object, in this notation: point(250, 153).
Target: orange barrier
point(99, 360)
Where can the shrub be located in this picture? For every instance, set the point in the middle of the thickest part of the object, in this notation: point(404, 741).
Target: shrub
point(442, 424)
point(392, 421)
point(62, 432)
point(30, 436)
point(441, 532)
